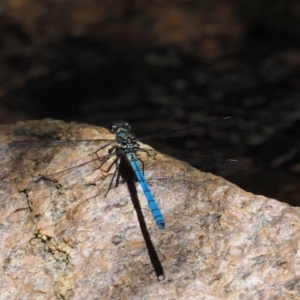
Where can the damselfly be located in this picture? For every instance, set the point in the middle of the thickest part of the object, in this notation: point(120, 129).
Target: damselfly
point(126, 146)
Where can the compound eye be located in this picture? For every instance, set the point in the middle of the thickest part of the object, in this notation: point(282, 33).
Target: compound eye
point(126, 126)
point(118, 125)
point(114, 128)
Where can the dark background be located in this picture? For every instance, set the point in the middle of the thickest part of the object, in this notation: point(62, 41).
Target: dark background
point(162, 65)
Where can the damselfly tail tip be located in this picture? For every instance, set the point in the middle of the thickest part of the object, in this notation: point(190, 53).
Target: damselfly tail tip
point(162, 225)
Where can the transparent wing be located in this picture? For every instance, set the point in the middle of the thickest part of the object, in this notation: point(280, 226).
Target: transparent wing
point(82, 170)
point(68, 190)
point(71, 186)
point(206, 162)
point(45, 143)
point(213, 162)
point(196, 129)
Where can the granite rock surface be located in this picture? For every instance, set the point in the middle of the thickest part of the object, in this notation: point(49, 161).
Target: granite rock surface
point(64, 237)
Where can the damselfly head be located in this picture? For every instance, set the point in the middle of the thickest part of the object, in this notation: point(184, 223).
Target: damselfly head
point(116, 126)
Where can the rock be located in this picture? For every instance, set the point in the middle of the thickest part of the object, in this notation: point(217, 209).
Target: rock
point(64, 237)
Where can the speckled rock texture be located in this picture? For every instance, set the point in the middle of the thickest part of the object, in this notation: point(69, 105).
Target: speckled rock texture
point(64, 237)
